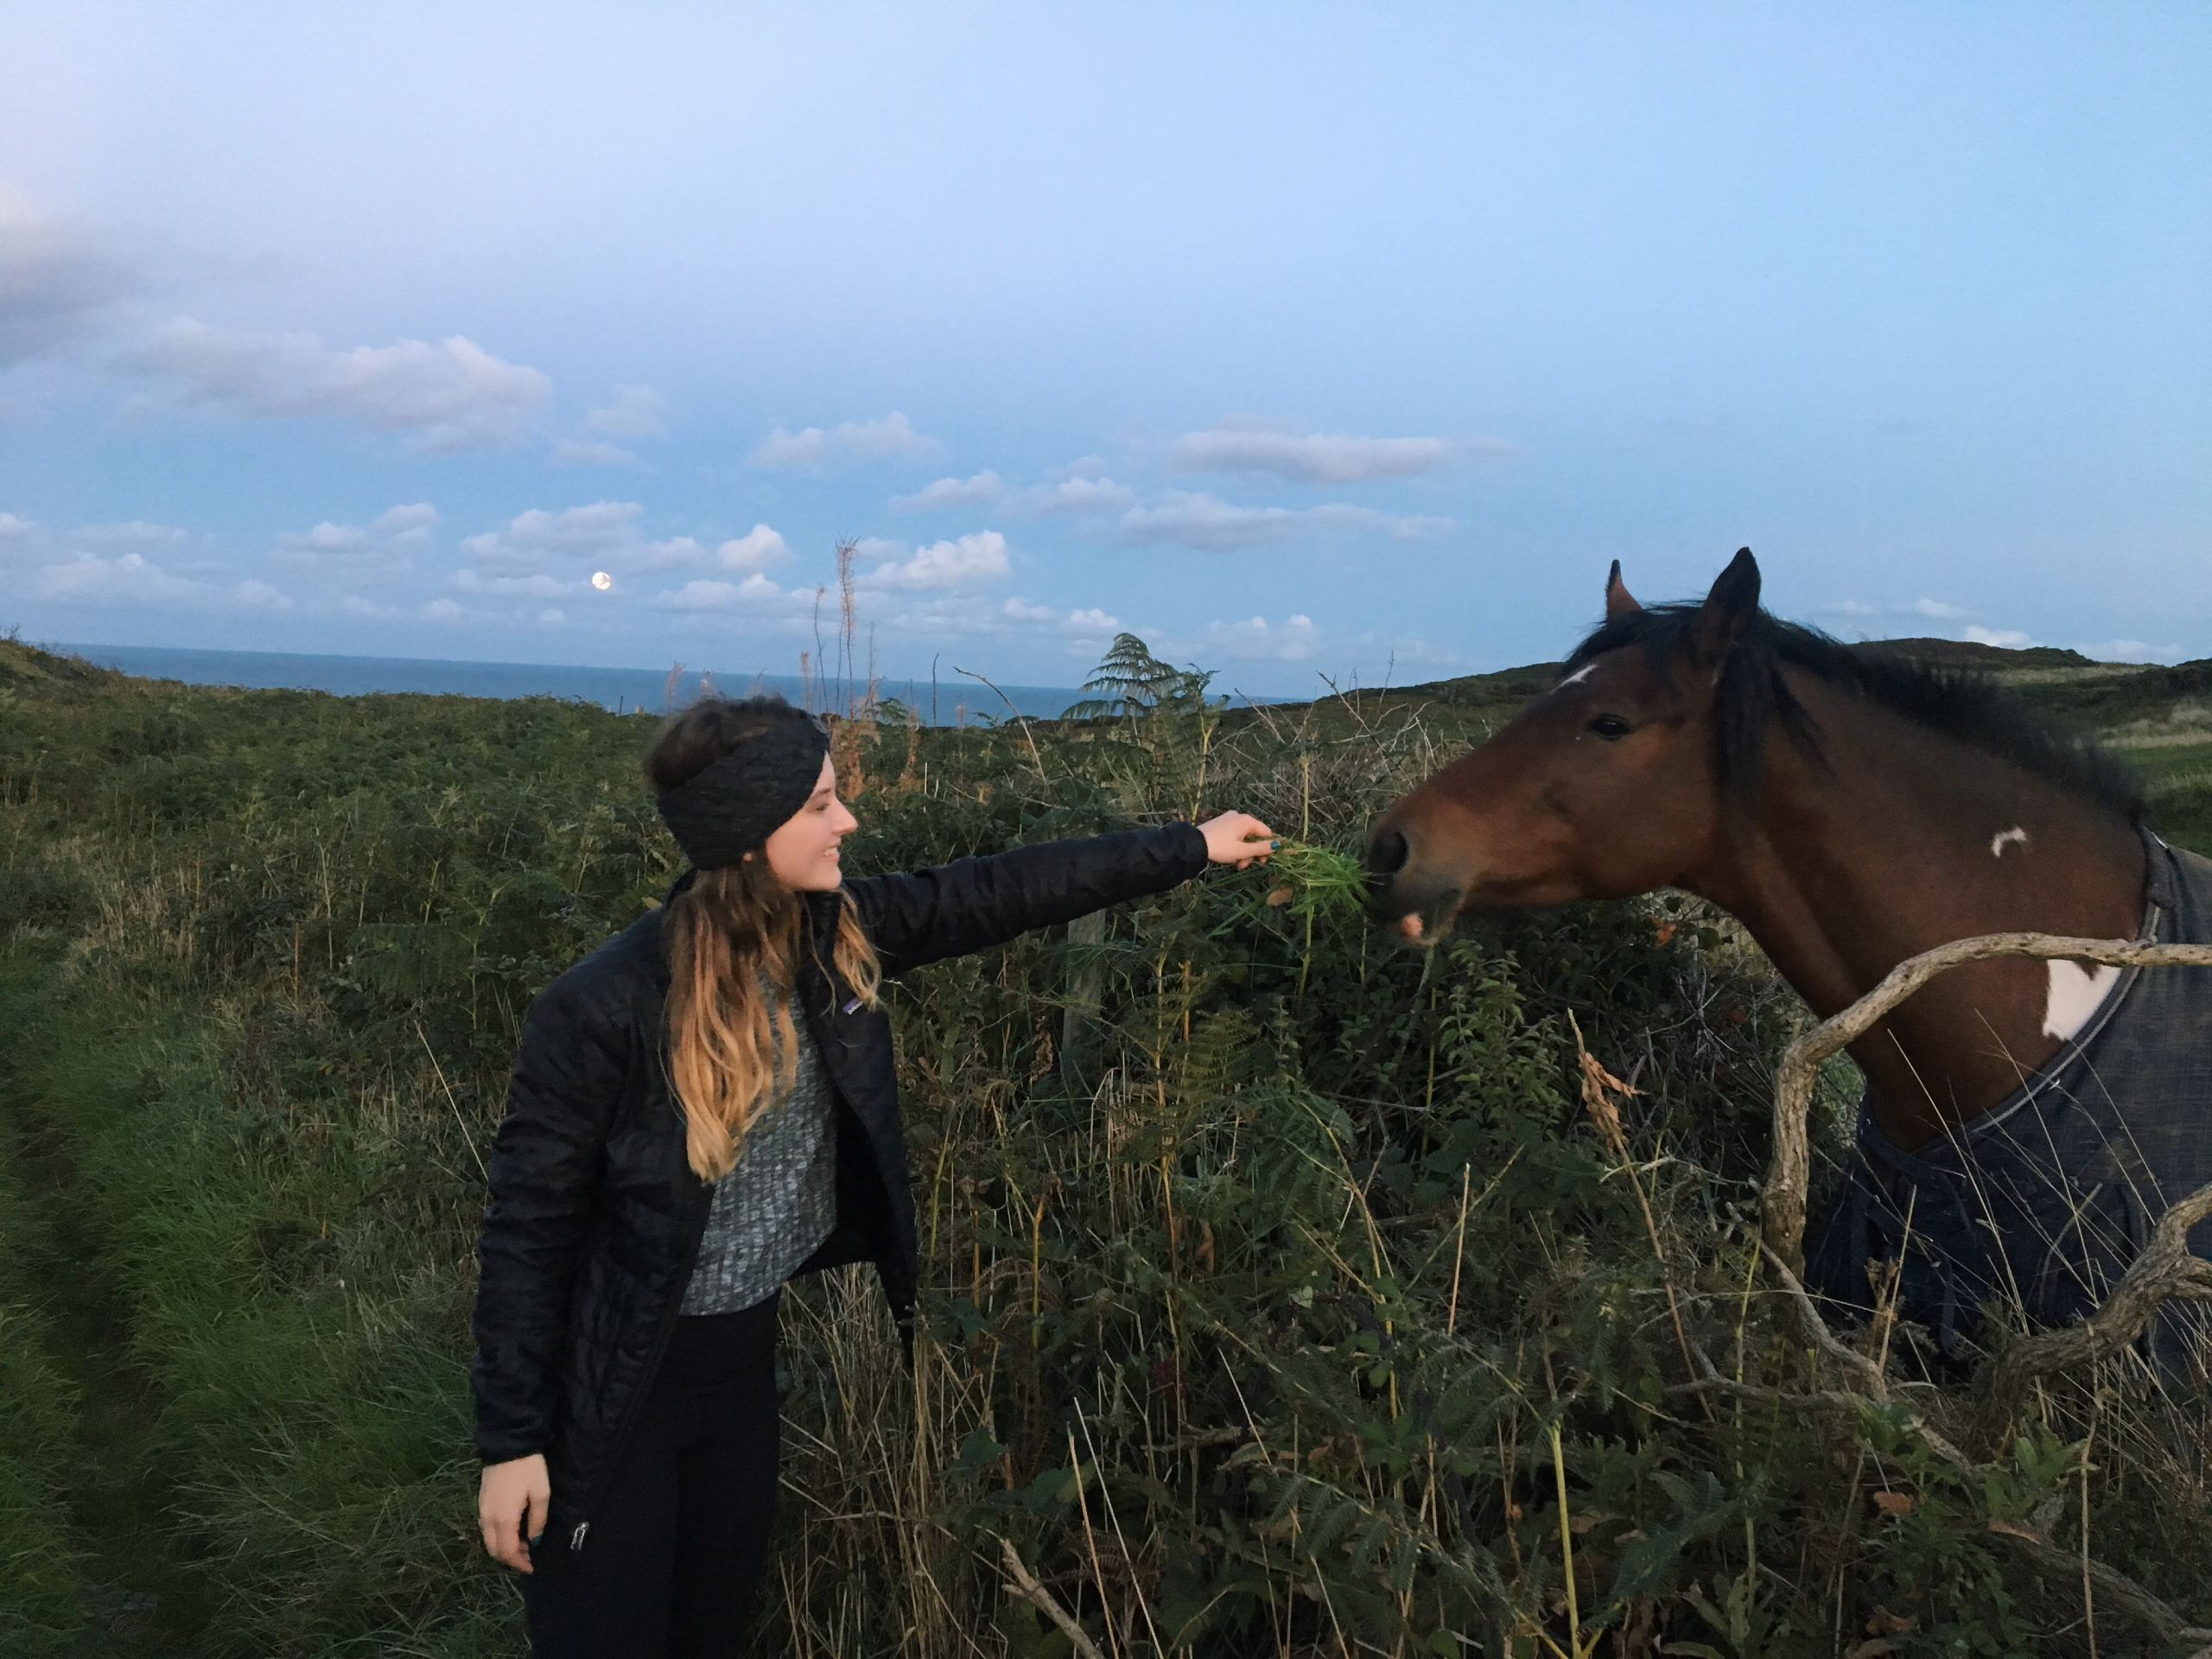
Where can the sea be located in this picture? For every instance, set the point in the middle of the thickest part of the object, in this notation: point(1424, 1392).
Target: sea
point(945, 702)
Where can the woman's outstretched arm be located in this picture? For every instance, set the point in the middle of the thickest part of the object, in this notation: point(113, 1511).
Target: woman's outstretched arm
point(972, 904)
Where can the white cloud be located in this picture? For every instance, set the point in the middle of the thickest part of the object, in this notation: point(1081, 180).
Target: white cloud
point(1086, 494)
point(1313, 458)
point(409, 524)
point(604, 536)
point(591, 452)
point(757, 550)
point(1195, 519)
point(986, 486)
point(552, 618)
point(13, 529)
point(2131, 650)
point(1092, 621)
point(129, 578)
point(86, 578)
point(1291, 640)
point(57, 279)
point(255, 594)
point(379, 547)
point(980, 556)
point(634, 413)
point(891, 435)
point(535, 585)
point(2010, 637)
point(1935, 609)
point(443, 610)
point(135, 533)
point(453, 395)
point(596, 532)
point(710, 595)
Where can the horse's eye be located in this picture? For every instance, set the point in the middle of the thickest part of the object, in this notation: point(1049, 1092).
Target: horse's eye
point(1612, 728)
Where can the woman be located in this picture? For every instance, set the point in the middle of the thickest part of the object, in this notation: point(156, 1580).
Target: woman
point(700, 1109)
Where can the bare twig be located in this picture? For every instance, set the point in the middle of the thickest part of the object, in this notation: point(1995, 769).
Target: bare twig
point(2166, 1270)
point(1020, 719)
point(1784, 1204)
point(1024, 1587)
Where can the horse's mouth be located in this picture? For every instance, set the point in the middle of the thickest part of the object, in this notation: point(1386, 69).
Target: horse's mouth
point(1419, 919)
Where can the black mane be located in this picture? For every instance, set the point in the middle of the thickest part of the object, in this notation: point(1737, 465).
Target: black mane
point(1959, 702)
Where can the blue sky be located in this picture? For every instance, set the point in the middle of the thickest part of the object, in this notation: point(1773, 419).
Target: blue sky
point(1301, 339)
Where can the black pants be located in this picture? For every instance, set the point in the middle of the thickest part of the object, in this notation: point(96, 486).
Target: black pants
point(679, 1536)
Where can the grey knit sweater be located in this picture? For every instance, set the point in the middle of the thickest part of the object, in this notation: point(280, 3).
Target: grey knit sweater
point(779, 1200)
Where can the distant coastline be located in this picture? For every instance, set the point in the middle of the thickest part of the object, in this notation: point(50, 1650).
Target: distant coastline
point(950, 702)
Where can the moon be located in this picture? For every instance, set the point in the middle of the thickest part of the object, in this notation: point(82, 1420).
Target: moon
point(601, 581)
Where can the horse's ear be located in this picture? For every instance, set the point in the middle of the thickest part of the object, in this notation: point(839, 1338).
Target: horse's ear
point(1728, 609)
point(1619, 601)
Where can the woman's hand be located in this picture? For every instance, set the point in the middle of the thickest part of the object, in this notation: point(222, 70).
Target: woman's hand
point(510, 1506)
point(1237, 838)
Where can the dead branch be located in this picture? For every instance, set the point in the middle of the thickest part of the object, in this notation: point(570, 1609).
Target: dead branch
point(1024, 1587)
point(1783, 1199)
point(2115, 1590)
point(2166, 1269)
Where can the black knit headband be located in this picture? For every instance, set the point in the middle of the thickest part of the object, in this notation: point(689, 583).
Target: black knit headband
point(734, 805)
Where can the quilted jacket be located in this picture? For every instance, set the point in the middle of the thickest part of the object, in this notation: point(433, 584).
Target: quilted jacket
point(596, 1215)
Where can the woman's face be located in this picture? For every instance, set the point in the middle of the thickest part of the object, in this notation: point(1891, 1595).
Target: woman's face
point(802, 852)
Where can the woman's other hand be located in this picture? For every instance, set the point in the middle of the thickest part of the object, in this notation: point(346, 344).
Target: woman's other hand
point(510, 1505)
point(1237, 838)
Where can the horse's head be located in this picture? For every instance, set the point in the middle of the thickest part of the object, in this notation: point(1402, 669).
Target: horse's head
point(1605, 786)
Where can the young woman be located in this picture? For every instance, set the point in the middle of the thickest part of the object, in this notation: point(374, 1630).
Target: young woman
point(702, 1108)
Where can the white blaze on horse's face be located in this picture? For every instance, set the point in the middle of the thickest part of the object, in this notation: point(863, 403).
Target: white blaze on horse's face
point(2004, 838)
point(2075, 996)
point(1579, 675)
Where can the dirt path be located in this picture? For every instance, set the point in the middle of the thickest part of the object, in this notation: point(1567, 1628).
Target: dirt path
point(141, 1598)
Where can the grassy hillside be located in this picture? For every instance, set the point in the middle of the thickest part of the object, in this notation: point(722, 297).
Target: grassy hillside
point(1281, 1296)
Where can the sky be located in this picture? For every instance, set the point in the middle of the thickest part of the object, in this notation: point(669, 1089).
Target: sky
point(1314, 344)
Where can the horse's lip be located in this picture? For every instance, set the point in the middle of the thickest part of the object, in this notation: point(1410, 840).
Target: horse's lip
point(1425, 920)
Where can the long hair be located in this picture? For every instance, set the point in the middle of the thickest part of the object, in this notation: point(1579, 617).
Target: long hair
point(725, 933)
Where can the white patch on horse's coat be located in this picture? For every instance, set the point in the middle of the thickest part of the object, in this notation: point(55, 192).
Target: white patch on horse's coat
point(2075, 996)
point(1581, 673)
point(2005, 838)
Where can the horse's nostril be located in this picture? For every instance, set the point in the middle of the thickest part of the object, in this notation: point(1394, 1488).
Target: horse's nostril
point(1386, 852)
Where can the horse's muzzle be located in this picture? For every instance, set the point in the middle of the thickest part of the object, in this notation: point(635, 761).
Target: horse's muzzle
point(1420, 907)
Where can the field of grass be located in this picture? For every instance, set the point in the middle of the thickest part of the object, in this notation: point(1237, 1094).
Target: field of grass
point(1280, 1294)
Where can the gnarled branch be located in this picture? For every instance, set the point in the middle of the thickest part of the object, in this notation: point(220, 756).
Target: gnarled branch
point(2166, 1269)
point(1783, 1202)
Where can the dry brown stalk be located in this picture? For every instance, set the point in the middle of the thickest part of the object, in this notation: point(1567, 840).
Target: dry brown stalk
point(1598, 1086)
point(1023, 1587)
point(1783, 1202)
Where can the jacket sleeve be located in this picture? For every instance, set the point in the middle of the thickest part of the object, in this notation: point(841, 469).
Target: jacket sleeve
point(544, 1177)
point(972, 904)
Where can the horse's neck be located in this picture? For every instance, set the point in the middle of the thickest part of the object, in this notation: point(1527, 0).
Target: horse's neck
point(1902, 841)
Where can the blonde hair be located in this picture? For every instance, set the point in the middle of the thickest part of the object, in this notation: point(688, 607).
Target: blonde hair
point(728, 931)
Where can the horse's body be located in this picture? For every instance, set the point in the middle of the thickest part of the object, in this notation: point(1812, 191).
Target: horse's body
point(1852, 812)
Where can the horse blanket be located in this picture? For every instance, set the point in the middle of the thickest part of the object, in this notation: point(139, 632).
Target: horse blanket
point(2045, 1200)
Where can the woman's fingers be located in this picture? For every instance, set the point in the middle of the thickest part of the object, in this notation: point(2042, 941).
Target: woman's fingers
point(511, 1508)
point(1237, 838)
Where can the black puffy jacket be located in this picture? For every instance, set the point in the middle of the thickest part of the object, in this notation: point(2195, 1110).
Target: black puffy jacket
point(596, 1215)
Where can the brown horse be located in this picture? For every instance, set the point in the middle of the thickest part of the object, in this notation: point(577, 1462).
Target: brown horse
point(1851, 808)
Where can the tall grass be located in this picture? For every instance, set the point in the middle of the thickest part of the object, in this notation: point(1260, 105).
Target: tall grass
point(1281, 1295)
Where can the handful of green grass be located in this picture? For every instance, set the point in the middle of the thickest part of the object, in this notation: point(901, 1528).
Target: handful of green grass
point(1315, 881)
